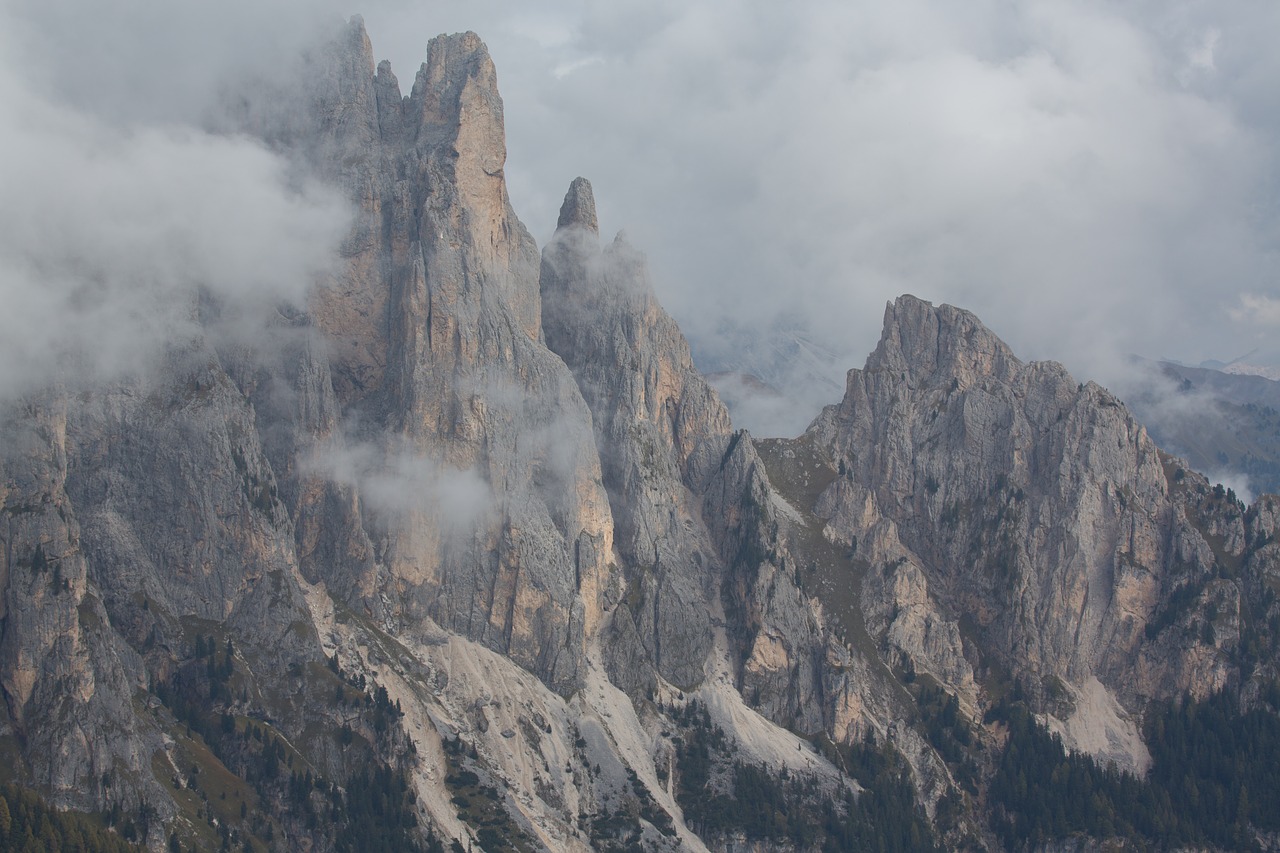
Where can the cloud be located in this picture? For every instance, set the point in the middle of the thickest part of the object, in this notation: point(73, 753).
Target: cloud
point(1201, 58)
point(1235, 481)
point(113, 227)
point(148, 61)
point(1191, 419)
point(396, 481)
point(1257, 309)
point(1092, 179)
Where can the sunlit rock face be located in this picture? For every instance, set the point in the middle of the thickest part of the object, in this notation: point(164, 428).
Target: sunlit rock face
point(406, 441)
point(661, 432)
point(476, 502)
point(1008, 501)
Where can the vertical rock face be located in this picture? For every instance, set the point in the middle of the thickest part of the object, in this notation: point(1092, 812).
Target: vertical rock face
point(471, 387)
point(436, 323)
point(1003, 496)
point(407, 443)
point(660, 429)
point(65, 677)
point(135, 513)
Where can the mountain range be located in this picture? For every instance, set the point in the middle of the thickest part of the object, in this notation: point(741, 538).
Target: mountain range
point(466, 553)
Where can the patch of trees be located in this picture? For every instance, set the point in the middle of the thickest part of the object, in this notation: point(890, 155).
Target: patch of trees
point(1179, 603)
point(885, 816)
point(1220, 766)
point(383, 713)
point(372, 810)
point(375, 814)
point(946, 729)
point(1214, 780)
point(721, 795)
point(1040, 791)
point(481, 805)
point(29, 824)
point(618, 827)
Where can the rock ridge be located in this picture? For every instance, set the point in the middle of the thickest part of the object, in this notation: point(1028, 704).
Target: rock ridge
point(1033, 507)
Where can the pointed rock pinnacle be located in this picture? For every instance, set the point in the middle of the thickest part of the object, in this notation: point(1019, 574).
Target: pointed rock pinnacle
point(579, 207)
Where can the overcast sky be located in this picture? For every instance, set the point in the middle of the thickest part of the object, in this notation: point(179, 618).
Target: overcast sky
point(1092, 179)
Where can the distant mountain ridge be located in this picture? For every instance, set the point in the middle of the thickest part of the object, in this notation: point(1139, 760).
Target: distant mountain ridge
point(1226, 424)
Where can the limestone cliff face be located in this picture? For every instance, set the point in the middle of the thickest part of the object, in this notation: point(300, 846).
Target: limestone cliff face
point(407, 443)
point(135, 514)
point(504, 535)
point(660, 429)
point(1007, 500)
point(699, 527)
point(64, 675)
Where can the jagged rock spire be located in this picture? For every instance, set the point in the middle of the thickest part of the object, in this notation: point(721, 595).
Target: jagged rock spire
point(579, 208)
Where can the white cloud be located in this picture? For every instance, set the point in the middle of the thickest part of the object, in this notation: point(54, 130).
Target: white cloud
point(1091, 178)
point(1257, 309)
point(132, 61)
point(1201, 58)
point(789, 168)
point(572, 65)
point(396, 480)
point(110, 227)
point(1236, 482)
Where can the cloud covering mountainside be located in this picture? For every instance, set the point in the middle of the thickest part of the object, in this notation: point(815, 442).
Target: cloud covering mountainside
point(1094, 179)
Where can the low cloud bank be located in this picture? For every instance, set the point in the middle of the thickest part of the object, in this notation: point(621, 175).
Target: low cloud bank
point(116, 224)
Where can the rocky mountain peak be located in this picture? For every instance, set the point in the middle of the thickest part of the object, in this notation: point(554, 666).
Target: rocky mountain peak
point(661, 432)
point(1035, 505)
point(923, 342)
point(579, 208)
point(459, 79)
point(355, 41)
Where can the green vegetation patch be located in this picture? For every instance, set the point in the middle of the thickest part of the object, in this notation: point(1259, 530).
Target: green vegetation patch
point(27, 822)
point(722, 796)
point(1214, 781)
point(481, 805)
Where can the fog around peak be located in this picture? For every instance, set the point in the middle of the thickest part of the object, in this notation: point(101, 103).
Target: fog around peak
point(1091, 179)
point(121, 215)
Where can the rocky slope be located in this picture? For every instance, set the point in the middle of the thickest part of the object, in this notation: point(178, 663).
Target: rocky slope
point(1006, 502)
point(470, 530)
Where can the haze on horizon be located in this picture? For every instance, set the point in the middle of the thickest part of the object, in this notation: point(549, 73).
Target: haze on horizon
point(1092, 179)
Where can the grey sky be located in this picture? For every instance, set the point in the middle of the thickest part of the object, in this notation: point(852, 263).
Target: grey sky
point(1091, 178)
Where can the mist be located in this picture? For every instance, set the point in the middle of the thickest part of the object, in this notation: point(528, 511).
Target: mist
point(122, 213)
point(396, 481)
point(1092, 179)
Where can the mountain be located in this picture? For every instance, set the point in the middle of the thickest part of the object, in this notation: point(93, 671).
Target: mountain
point(467, 553)
point(1220, 422)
